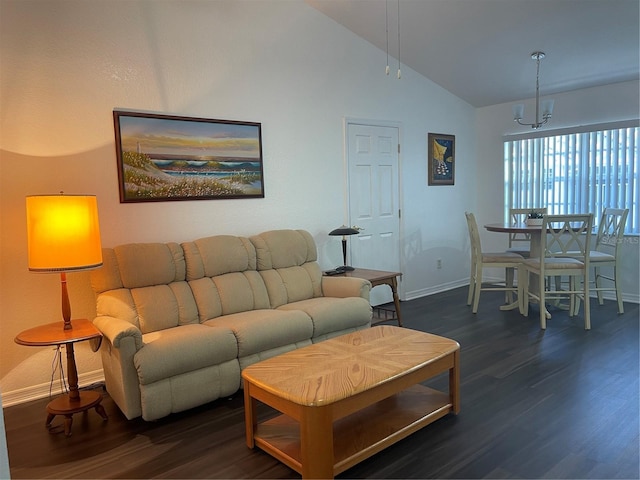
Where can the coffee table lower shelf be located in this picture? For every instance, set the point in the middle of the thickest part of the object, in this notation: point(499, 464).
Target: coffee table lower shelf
point(361, 434)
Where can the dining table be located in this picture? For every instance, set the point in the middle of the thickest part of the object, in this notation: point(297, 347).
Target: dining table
point(533, 231)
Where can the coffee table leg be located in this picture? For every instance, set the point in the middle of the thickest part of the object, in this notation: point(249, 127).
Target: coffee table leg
point(316, 442)
point(249, 414)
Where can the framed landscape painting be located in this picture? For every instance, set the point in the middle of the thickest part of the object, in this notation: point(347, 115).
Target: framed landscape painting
point(168, 157)
point(442, 159)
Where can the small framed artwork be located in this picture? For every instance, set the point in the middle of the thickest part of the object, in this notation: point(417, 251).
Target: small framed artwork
point(168, 157)
point(442, 159)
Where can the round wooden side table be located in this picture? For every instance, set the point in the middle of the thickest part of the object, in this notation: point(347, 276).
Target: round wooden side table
point(75, 401)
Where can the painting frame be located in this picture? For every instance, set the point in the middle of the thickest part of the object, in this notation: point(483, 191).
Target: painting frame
point(171, 157)
point(441, 162)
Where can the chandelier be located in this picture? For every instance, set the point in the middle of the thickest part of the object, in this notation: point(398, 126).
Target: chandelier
point(547, 105)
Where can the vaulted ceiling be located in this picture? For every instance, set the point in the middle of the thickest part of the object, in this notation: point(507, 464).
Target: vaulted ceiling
point(480, 50)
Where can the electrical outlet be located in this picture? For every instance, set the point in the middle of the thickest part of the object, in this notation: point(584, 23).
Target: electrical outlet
point(439, 264)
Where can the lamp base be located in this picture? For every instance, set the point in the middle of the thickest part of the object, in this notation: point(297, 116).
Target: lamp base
point(66, 306)
point(344, 268)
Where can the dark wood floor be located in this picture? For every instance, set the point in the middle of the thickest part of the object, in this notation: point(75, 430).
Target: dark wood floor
point(563, 403)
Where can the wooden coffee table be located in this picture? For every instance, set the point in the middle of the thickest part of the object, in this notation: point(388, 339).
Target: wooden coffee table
point(344, 399)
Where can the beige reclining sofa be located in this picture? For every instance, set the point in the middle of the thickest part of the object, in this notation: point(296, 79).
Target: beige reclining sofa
point(180, 322)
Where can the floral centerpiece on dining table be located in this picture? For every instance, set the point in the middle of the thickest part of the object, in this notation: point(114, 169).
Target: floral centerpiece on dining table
point(534, 218)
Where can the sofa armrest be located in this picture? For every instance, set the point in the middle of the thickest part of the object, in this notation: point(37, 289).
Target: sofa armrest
point(116, 329)
point(122, 341)
point(343, 287)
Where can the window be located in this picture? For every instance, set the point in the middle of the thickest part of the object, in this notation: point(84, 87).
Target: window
point(575, 172)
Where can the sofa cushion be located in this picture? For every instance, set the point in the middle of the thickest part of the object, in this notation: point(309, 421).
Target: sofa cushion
point(187, 348)
point(217, 255)
point(146, 264)
point(284, 248)
point(119, 304)
point(286, 259)
point(150, 308)
point(107, 277)
point(221, 271)
point(175, 394)
point(228, 294)
point(330, 314)
point(260, 330)
point(292, 284)
point(164, 306)
point(144, 283)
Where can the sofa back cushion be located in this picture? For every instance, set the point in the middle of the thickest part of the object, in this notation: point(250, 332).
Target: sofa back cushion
point(145, 284)
point(287, 261)
point(221, 271)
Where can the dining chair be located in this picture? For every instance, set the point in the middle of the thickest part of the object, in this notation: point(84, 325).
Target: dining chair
point(564, 246)
point(606, 253)
point(479, 260)
point(520, 242)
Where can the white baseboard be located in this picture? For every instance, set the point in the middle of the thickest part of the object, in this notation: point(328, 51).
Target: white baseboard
point(435, 289)
point(626, 297)
point(36, 392)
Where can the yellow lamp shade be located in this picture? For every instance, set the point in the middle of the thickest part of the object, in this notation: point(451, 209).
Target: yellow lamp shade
point(63, 233)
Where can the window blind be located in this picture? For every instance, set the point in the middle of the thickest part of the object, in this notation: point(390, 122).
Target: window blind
point(577, 172)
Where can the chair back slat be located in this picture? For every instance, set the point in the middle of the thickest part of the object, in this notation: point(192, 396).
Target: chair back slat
point(566, 235)
point(474, 235)
point(611, 230)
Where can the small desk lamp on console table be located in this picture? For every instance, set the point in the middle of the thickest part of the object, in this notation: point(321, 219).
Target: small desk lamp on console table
point(63, 236)
point(344, 231)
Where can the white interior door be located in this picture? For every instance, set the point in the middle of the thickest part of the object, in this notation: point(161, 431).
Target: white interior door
point(373, 164)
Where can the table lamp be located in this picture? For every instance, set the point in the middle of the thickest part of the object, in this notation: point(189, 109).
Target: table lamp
point(344, 231)
point(63, 235)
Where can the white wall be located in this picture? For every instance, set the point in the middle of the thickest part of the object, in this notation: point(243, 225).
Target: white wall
point(67, 64)
point(590, 106)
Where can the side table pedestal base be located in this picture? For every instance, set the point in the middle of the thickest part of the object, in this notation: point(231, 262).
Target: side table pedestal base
point(65, 405)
